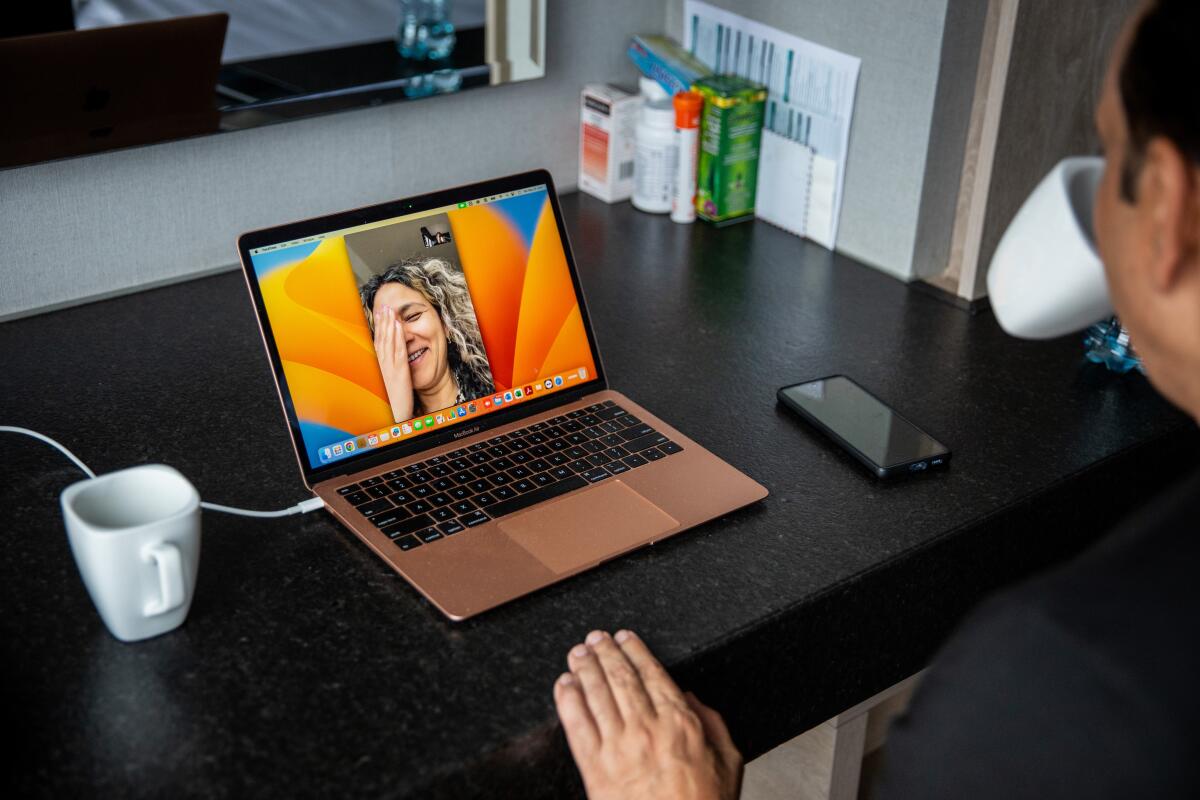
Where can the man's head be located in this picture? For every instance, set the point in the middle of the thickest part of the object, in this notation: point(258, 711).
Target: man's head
point(1148, 207)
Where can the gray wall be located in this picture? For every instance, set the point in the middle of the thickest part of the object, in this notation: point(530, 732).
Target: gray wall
point(88, 227)
point(900, 46)
point(84, 228)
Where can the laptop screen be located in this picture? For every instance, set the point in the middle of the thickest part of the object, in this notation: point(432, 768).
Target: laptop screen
point(390, 330)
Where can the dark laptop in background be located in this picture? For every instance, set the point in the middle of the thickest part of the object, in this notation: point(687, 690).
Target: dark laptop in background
point(533, 469)
point(79, 92)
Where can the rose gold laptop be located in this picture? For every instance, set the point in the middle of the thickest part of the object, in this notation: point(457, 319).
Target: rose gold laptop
point(446, 397)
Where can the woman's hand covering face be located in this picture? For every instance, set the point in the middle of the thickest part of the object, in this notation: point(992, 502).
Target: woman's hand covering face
point(392, 351)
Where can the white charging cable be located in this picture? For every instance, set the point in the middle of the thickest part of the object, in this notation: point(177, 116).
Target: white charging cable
point(299, 508)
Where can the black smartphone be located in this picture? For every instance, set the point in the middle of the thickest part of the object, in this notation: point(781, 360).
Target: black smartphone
point(866, 427)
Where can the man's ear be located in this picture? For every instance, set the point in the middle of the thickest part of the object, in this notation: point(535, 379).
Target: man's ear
point(1167, 192)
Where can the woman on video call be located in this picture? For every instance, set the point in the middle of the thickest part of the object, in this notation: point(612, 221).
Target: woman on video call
point(426, 337)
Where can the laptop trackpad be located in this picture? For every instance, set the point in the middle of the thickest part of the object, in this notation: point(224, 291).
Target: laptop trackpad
point(586, 527)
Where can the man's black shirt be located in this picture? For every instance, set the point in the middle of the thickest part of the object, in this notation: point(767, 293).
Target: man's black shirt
point(1084, 682)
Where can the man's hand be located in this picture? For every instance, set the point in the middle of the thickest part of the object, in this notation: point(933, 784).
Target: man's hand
point(392, 351)
point(634, 734)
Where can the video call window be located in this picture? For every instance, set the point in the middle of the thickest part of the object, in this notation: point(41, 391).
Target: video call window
point(418, 307)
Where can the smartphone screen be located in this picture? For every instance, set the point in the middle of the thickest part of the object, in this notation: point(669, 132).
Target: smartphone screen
point(860, 420)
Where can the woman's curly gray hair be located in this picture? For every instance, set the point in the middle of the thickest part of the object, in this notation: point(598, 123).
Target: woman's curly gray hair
point(446, 290)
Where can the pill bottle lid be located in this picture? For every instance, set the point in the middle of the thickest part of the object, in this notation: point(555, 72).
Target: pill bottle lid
point(659, 114)
point(651, 89)
point(688, 106)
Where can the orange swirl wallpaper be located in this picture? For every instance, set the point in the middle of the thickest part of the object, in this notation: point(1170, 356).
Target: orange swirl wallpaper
point(529, 317)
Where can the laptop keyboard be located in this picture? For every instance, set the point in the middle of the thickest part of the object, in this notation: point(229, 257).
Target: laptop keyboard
point(447, 494)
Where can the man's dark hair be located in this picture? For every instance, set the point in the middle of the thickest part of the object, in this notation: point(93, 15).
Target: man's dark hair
point(1158, 84)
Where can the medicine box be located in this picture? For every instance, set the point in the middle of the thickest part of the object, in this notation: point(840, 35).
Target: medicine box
point(730, 137)
point(662, 59)
point(608, 119)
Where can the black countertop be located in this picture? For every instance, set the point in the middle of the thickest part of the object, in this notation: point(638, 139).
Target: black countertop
point(307, 667)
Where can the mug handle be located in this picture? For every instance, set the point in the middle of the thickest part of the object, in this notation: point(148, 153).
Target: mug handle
point(170, 578)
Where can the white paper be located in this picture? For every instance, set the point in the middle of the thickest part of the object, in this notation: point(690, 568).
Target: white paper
point(822, 209)
point(810, 95)
point(784, 178)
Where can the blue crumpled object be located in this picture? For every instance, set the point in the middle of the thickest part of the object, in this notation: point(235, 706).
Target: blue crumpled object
point(1108, 343)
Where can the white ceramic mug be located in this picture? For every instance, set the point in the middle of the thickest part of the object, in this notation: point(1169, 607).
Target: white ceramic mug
point(135, 535)
point(1046, 278)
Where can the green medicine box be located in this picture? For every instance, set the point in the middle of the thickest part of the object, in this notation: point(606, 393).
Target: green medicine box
point(730, 135)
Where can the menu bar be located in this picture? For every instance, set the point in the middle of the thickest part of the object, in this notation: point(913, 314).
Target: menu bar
point(420, 214)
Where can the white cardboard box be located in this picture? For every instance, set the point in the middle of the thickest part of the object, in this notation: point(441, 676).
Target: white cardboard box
point(608, 117)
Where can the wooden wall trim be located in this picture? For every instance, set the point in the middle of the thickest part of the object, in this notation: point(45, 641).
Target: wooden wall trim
point(963, 272)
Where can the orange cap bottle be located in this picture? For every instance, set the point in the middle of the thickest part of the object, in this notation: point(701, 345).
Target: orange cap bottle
point(688, 107)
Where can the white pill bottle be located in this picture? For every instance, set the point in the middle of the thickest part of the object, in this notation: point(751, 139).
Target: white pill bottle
point(655, 152)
